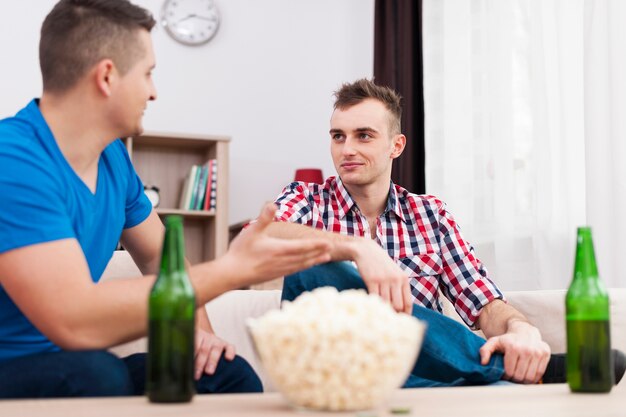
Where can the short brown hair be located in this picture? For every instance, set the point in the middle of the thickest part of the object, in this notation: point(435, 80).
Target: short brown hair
point(77, 34)
point(354, 93)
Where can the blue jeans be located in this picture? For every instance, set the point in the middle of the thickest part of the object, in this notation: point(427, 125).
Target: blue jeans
point(102, 374)
point(450, 352)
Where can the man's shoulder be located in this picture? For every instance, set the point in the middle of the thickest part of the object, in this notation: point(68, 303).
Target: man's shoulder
point(19, 132)
point(310, 189)
point(19, 142)
point(16, 131)
point(418, 200)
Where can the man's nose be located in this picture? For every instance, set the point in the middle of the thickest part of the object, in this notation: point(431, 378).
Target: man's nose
point(349, 147)
point(153, 93)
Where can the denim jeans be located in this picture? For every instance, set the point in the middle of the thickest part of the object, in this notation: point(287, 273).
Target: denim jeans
point(450, 352)
point(102, 374)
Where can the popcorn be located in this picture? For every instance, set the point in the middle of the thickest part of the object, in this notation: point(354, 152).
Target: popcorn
point(337, 350)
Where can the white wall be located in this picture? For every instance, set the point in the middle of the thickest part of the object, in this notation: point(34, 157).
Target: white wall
point(266, 79)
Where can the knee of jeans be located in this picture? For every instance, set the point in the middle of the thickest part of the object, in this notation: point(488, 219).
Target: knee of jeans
point(340, 275)
point(101, 374)
point(252, 382)
point(236, 376)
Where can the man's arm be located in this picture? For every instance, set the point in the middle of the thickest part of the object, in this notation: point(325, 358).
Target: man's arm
point(51, 284)
point(143, 242)
point(508, 331)
point(526, 355)
point(380, 273)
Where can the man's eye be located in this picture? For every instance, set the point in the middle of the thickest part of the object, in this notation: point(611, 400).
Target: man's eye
point(365, 136)
point(337, 136)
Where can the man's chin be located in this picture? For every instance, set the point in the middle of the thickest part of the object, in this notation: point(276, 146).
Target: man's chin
point(134, 132)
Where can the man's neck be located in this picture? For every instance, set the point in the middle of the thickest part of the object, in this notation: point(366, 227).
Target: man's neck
point(77, 127)
point(371, 198)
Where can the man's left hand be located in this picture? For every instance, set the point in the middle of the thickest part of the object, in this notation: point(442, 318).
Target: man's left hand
point(209, 349)
point(526, 355)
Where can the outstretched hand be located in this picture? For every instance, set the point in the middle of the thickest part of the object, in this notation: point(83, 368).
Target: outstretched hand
point(258, 257)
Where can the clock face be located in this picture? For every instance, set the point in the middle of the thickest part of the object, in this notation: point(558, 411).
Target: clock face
point(192, 22)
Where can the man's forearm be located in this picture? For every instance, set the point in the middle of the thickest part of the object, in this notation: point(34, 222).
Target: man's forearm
point(381, 275)
point(497, 318)
point(344, 248)
point(100, 326)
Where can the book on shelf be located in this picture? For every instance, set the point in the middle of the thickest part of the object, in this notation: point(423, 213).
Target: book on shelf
point(188, 187)
point(213, 202)
point(211, 190)
point(200, 187)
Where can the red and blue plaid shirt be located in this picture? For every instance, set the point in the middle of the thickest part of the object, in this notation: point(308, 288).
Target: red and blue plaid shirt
point(417, 231)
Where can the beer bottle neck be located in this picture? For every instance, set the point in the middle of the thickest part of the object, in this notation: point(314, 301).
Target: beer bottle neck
point(585, 266)
point(173, 256)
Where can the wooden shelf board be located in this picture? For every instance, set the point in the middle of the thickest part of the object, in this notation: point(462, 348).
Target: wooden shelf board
point(186, 213)
point(174, 140)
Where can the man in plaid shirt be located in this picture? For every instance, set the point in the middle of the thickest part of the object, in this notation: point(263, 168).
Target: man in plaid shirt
point(361, 211)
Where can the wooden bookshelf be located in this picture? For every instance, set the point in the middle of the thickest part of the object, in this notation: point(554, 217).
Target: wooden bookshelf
point(163, 160)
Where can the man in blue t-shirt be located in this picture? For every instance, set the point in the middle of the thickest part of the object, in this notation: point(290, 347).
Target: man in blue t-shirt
point(70, 193)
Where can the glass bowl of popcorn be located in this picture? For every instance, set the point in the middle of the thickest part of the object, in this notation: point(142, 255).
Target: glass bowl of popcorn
point(339, 351)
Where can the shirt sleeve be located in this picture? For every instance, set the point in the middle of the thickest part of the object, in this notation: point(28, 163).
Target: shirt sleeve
point(465, 280)
point(294, 204)
point(33, 201)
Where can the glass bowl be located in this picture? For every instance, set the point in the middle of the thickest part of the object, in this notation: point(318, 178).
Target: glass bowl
point(339, 351)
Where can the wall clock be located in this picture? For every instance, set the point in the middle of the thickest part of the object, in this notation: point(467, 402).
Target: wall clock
point(190, 22)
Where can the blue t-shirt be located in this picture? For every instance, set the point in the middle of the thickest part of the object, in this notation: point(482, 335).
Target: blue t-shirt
point(42, 200)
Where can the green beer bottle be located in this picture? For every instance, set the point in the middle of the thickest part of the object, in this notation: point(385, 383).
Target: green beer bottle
point(589, 359)
point(171, 328)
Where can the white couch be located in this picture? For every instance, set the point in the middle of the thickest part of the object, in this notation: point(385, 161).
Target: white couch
point(228, 314)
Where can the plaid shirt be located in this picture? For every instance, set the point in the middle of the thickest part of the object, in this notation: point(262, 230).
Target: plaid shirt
point(417, 231)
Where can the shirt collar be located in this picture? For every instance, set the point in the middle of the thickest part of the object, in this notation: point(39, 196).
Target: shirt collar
point(393, 202)
point(32, 113)
point(345, 203)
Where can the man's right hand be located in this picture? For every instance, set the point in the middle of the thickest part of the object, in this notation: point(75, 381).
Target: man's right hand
point(258, 257)
point(382, 276)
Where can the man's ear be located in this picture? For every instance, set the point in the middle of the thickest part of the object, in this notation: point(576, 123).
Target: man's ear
point(105, 75)
point(399, 142)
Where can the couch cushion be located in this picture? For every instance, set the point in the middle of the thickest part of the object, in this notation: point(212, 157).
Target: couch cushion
point(229, 313)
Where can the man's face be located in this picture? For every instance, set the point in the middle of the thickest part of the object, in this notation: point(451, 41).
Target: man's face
point(362, 146)
point(135, 89)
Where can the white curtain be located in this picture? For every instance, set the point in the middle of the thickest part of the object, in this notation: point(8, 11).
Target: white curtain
point(605, 133)
point(509, 131)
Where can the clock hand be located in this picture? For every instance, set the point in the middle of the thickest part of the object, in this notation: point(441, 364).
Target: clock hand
point(211, 19)
point(189, 16)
